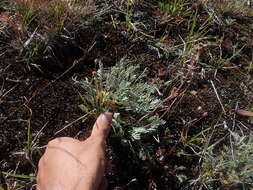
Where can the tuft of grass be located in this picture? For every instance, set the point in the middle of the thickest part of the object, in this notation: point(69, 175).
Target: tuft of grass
point(26, 11)
point(39, 22)
point(174, 7)
point(51, 16)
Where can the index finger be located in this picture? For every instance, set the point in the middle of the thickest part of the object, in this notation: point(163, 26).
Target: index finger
point(102, 126)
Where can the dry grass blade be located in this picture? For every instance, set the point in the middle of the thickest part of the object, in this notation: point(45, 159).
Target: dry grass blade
point(244, 113)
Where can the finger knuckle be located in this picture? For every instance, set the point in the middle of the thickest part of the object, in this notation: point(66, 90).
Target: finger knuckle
point(54, 142)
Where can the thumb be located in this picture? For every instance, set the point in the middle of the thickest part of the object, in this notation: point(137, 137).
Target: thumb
point(102, 126)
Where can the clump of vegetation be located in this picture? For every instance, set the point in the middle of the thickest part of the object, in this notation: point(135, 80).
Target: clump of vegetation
point(38, 25)
point(125, 92)
point(230, 7)
point(51, 16)
point(232, 167)
point(175, 7)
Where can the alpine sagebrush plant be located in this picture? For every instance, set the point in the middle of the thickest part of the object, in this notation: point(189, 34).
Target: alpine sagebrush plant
point(232, 168)
point(125, 92)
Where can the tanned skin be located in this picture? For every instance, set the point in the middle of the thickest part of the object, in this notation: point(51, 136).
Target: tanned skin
point(70, 164)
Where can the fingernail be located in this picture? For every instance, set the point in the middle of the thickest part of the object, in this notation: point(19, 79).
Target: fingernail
point(107, 116)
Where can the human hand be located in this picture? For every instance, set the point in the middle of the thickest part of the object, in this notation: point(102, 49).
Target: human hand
point(70, 164)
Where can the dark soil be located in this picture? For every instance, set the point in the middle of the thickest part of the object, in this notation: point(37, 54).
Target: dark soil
point(49, 101)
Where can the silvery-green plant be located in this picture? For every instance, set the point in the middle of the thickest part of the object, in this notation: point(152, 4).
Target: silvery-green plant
point(124, 90)
point(232, 167)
